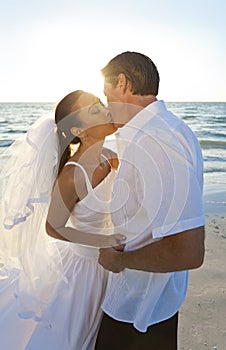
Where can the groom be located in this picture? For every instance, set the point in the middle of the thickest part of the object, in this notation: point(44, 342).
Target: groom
point(158, 205)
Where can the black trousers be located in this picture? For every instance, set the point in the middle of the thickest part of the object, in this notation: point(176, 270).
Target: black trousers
point(123, 336)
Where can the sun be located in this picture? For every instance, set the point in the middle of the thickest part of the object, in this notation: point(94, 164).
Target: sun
point(94, 84)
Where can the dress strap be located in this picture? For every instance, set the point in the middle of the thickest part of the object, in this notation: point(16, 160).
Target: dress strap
point(88, 183)
point(102, 155)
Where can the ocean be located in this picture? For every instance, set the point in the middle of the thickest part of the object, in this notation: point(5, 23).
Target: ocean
point(206, 119)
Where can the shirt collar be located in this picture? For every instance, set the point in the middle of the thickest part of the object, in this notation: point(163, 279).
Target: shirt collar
point(129, 130)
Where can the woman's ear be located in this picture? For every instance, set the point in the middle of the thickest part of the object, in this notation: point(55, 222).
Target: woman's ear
point(76, 131)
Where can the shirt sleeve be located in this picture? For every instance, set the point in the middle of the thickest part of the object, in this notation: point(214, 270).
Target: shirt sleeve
point(168, 185)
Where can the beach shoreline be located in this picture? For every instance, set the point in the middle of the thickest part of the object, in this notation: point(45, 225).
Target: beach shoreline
point(214, 199)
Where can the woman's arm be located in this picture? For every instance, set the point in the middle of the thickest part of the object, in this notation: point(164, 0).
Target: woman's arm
point(64, 198)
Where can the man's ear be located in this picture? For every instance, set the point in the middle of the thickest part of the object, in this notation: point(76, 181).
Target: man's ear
point(122, 80)
point(123, 83)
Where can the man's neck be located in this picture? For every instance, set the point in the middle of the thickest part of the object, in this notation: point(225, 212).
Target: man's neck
point(135, 104)
point(142, 101)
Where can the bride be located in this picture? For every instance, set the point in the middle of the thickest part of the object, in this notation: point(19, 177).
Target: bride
point(56, 189)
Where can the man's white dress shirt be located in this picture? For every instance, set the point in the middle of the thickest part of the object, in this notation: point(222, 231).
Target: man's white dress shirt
point(157, 192)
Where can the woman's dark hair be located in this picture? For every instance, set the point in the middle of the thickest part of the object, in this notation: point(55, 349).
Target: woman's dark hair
point(64, 124)
point(138, 69)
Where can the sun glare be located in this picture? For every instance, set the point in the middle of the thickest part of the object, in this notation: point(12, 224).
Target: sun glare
point(58, 63)
point(93, 84)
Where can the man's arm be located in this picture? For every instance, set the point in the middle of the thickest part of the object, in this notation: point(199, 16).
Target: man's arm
point(177, 252)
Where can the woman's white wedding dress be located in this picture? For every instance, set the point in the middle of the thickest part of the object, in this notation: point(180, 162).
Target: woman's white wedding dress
point(73, 314)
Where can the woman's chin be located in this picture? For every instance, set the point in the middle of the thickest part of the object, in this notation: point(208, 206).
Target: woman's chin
point(113, 128)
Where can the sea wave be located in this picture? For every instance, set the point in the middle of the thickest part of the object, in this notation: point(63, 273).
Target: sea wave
point(214, 159)
point(5, 143)
point(212, 144)
point(185, 117)
point(14, 131)
point(214, 170)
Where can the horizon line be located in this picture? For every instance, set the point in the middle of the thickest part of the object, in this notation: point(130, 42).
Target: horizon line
point(188, 101)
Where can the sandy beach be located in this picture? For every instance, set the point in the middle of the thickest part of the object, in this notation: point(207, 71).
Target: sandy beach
point(202, 323)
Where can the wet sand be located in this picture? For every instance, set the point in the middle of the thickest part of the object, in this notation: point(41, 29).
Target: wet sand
point(202, 323)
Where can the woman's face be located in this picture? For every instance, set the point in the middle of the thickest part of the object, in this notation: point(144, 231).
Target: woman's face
point(94, 116)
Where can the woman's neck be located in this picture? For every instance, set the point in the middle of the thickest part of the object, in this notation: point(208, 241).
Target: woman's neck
point(90, 153)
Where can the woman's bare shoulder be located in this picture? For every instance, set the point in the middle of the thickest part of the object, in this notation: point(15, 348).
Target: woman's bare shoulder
point(70, 176)
point(111, 156)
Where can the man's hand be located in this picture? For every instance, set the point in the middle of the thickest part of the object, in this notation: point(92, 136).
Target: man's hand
point(111, 258)
point(178, 252)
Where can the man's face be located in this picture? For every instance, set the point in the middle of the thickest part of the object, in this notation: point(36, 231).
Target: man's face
point(112, 93)
point(116, 104)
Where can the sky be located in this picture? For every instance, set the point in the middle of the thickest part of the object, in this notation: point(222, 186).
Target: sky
point(52, 47)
